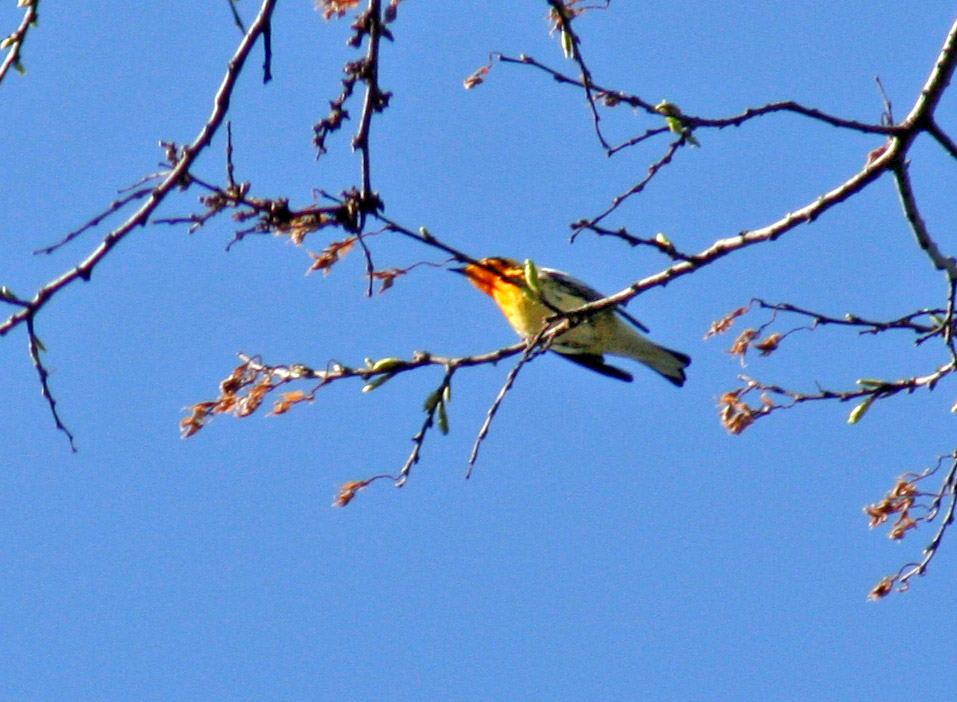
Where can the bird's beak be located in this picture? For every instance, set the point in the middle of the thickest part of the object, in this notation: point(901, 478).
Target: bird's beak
point(458, 269)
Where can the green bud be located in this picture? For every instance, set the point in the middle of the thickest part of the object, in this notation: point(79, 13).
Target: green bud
point(855, 416)
point(668, 109)
point(376, 382)
point(299, 370)
point(384, 364)
point(673, 118)
point(443, 418)
point(663, 240)
point(568, 44)
point(431, 401)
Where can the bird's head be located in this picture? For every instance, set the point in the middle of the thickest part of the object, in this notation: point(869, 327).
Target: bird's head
point(487, 273)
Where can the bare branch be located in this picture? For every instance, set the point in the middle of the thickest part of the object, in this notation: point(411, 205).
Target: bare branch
point(375, 101)
point(942, 138)
point(84, 269)
point(659, 242)
point(722, 247)
point(948, 489)
point(852, 320)
point(610, 96)
point(648, 134)
point(921, 233)
point(938, 80)
point(736, 415)
point(257, 379)
point(114, 207)
point(900, 503)
point(613, 97)
point(266, 31)
point(534, 348)
point(653, 169)
point(790, 106)
point(14, 42)
point(175, 178)
point(236, 18)
point(887, 117)
point(434, 403)
point(562, 15)
point(36, 347)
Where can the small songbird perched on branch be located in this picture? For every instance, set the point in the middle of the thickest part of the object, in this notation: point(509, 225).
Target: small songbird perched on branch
point(528, 295)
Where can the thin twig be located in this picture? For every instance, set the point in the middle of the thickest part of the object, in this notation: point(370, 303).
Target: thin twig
point(14, 42)
point(230, 169)
point(720, 122)
point(564, 24)
point(933, 90)
point(941, 262)
point(173, 178)
point(648, 134)
point(36, 347)
point(887, 118)
point(948, 322)
point(532, 349)
point(722, 247)
point(660, 244)
point(789, 106)
point(653, 170)
point(948, 488)
point(632, 100)
point(942, 138)
point(236, 18)
point(114, 207)
point(419, 438)
point(737, 416)
point(266, 31)
point(373, 101)
point(852, 320)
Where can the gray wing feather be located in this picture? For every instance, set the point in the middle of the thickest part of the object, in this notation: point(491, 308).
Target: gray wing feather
point(589, 293)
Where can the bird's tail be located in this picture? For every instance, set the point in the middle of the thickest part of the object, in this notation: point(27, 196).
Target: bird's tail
point(667, 362)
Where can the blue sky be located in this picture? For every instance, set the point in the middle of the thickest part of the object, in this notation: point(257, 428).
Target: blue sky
point(614, 542)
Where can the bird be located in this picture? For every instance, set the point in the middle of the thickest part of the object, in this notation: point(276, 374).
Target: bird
point(528, 295)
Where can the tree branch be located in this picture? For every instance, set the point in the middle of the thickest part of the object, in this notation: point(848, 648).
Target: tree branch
point(918, 227)
point(175, 178)
point(942, 138)
point(172, 179)
point(14, 42)
point(722, 247)
point(562, 15)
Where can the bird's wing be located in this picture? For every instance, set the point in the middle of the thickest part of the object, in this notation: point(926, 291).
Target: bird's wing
point(631, 319)
point(587, 292)
point(596, 362)
point(573, 285)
